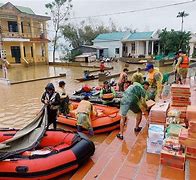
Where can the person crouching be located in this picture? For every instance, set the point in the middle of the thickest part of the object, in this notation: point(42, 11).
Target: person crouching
point(83, 115)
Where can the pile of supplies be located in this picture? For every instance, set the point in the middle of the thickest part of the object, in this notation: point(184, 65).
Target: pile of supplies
point(172, 129)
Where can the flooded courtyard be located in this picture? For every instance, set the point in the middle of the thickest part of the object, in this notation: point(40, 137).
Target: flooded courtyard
point(19, 103)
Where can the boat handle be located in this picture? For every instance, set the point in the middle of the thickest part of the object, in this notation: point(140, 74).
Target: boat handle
point(22, 169)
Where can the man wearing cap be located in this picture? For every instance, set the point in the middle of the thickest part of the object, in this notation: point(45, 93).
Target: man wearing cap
point(182, 66)
point(154, 77)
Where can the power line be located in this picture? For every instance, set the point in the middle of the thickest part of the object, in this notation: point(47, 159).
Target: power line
point(137, 10)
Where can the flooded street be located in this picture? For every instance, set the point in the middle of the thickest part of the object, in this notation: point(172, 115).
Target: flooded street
point(19, 103)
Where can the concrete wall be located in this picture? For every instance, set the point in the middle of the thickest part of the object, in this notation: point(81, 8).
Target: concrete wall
point(111, 45)
point(139, 48)
point(29, 58)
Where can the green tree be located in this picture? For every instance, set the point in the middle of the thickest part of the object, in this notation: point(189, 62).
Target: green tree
point(172, 41)
point(182, 15)
point(83, 34)
point(59, 10)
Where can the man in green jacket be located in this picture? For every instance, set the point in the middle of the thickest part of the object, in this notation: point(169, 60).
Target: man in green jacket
point(134, 99)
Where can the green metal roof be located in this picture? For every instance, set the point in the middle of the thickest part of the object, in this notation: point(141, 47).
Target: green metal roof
point(114, 36)
point(126, 36)
point(23, 9)
point(140, 35)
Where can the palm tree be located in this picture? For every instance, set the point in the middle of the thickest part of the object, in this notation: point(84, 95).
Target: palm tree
point(182, 15)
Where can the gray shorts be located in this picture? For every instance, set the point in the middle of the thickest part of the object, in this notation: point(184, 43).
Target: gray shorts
point(125, 106)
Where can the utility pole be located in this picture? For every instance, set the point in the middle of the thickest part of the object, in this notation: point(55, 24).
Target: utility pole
point(1, 39)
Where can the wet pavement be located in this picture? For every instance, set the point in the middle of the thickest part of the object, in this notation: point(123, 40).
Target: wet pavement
point(125, 159)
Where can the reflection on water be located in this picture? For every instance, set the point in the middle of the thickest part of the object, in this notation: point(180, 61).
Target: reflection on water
point(19, 103)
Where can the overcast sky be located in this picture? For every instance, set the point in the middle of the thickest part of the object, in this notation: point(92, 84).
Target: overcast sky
point(141, 21)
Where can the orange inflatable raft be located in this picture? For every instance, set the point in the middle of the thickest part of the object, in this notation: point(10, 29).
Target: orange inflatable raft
point(107, 119)
point(59, 152)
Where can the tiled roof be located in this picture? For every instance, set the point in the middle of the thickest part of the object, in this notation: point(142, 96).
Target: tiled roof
point(113, 36)
point(140, 36)
point(23, 9)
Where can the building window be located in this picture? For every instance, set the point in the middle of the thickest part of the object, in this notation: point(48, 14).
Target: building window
point(12, 26)
point(133, 47)
point(24, 51)
point(29, 28)
point(22, 27)
point(43, 50)
point(117, 50)
point(31, 51)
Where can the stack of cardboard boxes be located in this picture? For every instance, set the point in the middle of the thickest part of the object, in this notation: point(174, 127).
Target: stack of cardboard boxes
point(188, 136)
point(180, 95)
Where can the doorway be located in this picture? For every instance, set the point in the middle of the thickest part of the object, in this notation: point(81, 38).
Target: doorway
point(86, 59)
point(15, 50)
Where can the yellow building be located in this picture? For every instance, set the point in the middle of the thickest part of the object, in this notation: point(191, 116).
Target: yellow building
point(23, 35)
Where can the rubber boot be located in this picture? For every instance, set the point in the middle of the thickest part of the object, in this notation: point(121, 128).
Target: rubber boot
point(79, 128)
point(91, 132)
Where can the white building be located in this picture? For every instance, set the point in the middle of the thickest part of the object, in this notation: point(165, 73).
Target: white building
point(136, 44)
point(124, 44)
point(112, 43)
point(192, 44)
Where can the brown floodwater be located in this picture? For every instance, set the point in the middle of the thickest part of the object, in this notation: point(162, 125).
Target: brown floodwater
point(19, 103)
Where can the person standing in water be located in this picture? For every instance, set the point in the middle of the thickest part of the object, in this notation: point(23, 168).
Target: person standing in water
point(4, 67)
point(52, 100)
point(64, 99)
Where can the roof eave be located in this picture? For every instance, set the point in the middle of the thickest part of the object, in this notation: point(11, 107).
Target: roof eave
point(46, 18)
point(130, 40)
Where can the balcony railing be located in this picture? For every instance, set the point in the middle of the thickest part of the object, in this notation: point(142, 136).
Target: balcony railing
point(24, 35)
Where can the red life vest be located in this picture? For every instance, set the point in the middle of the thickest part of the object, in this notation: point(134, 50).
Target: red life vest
point(185, 62)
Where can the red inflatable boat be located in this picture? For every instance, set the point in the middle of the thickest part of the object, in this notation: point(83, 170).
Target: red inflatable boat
point(59, 152)
point(107, 119)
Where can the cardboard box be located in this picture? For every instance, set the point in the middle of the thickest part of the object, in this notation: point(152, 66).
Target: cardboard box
point(181, 87)
point(150, 103)
point(173, 156)
point(191, 113)
point(158, 112)
point(156, 132)
point(186, 140)
point(173, 164)
point(154, 147)
point(190, 150)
